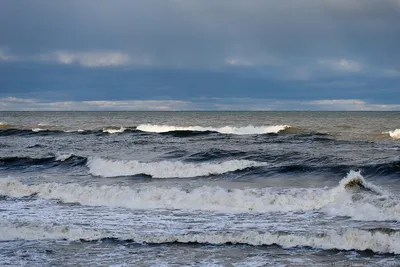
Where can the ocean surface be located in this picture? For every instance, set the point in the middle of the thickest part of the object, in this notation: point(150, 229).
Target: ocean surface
point(200, 188)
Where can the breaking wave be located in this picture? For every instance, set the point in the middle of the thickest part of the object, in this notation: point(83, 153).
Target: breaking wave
point(165, 169)
point(395, 134)
point(375, 240)
point(342, 200)
point(114, 130)
point(224, 130)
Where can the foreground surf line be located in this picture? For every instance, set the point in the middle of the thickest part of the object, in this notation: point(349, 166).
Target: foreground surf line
point(376, 240)
point(337, 201)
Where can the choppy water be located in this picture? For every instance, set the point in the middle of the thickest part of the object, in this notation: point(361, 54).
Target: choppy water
point(199, 188)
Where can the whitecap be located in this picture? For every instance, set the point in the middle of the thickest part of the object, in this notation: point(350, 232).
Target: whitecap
point(224, 130)
point(165, 169)
point(113, 130)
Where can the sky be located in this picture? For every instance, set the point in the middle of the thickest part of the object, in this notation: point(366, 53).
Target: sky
point(200, 55)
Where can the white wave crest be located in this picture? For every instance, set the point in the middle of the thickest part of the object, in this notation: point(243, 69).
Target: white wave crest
point(37, 231)
point(38, 130)
point(349, 239)
point(395, 134)
point(337, 201)
point(63, 156)
point(113, 130)
point(164, 169)
point(224, 130)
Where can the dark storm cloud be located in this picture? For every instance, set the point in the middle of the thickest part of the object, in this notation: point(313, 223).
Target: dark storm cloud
point(209, 54)
point(207, 33)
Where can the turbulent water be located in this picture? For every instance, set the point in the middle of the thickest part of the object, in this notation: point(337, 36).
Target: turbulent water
point(199, 188)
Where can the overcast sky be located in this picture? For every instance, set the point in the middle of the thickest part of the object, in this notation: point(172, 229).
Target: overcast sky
point(200, 54)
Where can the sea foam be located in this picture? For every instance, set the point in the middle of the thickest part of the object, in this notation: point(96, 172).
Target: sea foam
point(395, 134)
point(164, 169)
point(224, 130)
point(336, 201)
point(349, 239)
point(114, 130)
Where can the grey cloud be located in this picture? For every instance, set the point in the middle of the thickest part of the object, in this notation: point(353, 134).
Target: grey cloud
point(189, 33)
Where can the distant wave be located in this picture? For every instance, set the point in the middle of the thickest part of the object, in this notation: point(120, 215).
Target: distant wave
point(114, 130)
point(376, 240)
point(371, 203)
point(395, 134)
point(224, 130)
point(5, 131)
point(164, 169)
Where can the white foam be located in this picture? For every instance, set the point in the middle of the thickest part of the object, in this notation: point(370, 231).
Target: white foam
point(37, 231)
point(225, 130)
point(164, 169)
point(336, 201)
point(395, 134)
point(73, 131)
point(113, 130)
point(63, 156)
point(349, 239)
point(38, 129)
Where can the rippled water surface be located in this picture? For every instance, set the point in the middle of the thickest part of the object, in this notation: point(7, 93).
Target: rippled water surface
point(199, 188)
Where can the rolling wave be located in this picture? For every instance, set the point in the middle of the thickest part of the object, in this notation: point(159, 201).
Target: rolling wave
point(165, 169)
point(224, 130)
point(375, 240)
point(353, 197)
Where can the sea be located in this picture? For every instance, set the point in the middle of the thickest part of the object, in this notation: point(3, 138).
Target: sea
point(200, 188)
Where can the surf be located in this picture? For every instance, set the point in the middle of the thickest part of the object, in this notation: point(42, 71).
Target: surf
point(247, 130)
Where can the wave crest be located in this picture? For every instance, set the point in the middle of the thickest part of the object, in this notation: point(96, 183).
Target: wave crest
point(337, 201)
point(349, 239)
point(395, 134)
point(114, 130)
point(165, 169)
point(224, 130)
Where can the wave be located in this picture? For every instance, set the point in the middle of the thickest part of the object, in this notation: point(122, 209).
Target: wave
point(114, 130)
point(42, 131)
point(384, 169)
point(51, 161)
point(27, 132)
point(371, 203)
point(215, 153)
point(395, 134)
point(376, 240)
point(38, 231)
point(224, 130)
point(165, 169)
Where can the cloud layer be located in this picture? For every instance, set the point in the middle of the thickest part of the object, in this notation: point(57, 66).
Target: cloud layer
point(13, 103)
point(84, 50)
